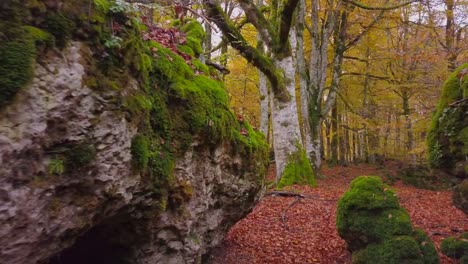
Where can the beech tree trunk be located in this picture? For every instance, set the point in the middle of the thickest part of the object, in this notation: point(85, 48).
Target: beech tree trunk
point(278, 68)
point(264, 104)
point(285, 122)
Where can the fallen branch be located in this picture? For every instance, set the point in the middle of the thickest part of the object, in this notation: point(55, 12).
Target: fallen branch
point(300, 195)
point(284, 219)
point(284, 194)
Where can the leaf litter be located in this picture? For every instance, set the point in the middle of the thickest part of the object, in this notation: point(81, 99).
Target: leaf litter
point(276, 232)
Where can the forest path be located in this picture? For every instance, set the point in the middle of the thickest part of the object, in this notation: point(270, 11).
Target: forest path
point(283, 230)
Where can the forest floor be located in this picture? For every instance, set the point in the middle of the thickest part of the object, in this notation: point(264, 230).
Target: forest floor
point(290, 230)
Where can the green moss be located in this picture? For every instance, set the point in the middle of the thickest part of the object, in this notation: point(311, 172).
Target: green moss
point(16, 64)
point(39, 36)
point(79, 155)
point(375, 227)
point(102, 5)
point(140, 151)
point(35, 4)
point(362, 227)
point(447, 137)
point(460, 196)
point(56, 166)
point(201, 67)
point(195, 45)
point(298, 170)
point(61, 27)
point(455, 247)
point(397, 250)
point(420, 176)
point(186, 49)
point(194, 29)
point(463, 138)
point(426, 247)
point(169, 64)
point(161, 163)
point(369, 193)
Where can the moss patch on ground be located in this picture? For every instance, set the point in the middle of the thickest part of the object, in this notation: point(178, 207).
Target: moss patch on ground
point(456, 247)
point(375, 227)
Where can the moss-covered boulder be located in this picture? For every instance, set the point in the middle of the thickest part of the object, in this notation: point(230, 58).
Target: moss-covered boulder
point(456, 247)
point(448, 135)
point(375, 227)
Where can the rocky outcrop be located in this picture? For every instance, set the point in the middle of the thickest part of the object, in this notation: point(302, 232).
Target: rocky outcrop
point(69, 192)
point(448, 135)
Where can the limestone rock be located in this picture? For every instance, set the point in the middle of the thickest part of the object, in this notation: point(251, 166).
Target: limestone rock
point(99, 209)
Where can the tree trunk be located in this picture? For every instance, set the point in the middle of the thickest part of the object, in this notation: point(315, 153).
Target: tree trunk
point(409, 129)
point(334, 138)
point(264, 104)
point(450, 35)
point(303, 77)
point(286, 132)
point(264, 93)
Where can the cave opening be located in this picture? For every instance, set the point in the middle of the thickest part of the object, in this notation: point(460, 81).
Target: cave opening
point(102, 244)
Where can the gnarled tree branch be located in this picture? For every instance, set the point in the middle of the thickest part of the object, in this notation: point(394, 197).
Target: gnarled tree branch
point(251, 54)
point(264, 28)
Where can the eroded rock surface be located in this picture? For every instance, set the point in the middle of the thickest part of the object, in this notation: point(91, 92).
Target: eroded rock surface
point(101, 202)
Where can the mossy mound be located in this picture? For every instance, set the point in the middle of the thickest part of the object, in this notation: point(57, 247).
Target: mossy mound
point(456, 247)
point(448, 135)
point(375, 227)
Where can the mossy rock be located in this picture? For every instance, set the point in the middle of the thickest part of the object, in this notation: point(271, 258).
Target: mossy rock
point(460, 196)
point(428, 251)
point(79, 155)
point(396, 250)
point(447, 137)
point(417, 176)
point(368, 193)
point(375, 227)
point(361, 227)
point(40, 37)
point(140, 151)
point(61, 27)
point(16, 65)
point(455, 247)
